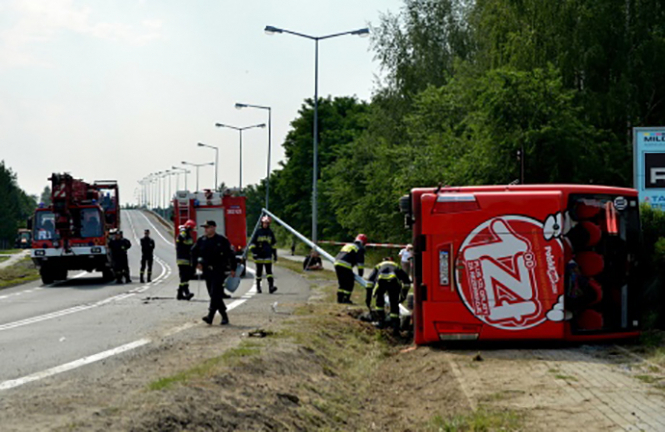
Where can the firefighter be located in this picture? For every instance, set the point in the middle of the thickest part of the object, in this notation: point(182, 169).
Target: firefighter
point(183, 250)
point(351, 255)
point(119, 247)
point(147, 249)
point(263, 250)
point(387, 278)
point(214, 256)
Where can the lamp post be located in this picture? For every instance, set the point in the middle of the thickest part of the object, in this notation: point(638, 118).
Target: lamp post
point(179, 171)
point(269, 109)
point(216, 160)
point(197, 170)
point(240, 130)
point(360, 32)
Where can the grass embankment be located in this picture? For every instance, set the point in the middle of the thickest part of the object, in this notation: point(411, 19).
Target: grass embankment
point(320, 369)
point(16, 274)
point(10, 251)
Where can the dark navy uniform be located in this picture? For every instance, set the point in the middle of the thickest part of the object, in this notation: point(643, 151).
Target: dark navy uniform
point(119, 248)
point(147, 249)
point(215, 254)
point(387, 278)
point(262, 246)
point(183, 251)
point(351, 255)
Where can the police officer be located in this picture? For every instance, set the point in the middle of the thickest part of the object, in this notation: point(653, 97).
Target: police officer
point(119, 247)
point(387, 278)
point(263, 249)
point(351, 255)
point(147, 249)
point(183, 250)
point(214, 256)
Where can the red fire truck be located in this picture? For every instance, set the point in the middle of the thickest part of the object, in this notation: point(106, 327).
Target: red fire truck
point(72, 233)
point(227, 210)
point(525, 262)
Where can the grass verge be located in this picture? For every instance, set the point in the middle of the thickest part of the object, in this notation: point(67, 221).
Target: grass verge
point(19, 273)
point(481, 420)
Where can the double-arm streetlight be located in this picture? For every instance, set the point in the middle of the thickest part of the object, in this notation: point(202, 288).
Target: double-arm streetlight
point(197, 170)
point(216, 160)
point(179, 171)
point(240, 129)
point(363, 32)
point(241, 106)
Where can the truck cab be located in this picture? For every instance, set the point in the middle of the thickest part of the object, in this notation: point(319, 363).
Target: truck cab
point(525, 262)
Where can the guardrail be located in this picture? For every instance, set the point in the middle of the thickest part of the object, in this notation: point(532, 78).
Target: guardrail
point(168, 225)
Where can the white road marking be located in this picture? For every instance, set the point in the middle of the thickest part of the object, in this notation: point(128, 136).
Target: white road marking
point(72, 365)
point(155, 228)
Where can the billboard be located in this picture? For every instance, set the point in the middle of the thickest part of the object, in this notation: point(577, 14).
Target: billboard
point(649, 165)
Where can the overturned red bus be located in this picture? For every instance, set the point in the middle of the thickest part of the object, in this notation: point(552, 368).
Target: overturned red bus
point(524, 262)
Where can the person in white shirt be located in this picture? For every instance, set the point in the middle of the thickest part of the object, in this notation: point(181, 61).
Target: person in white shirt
point(406, 258)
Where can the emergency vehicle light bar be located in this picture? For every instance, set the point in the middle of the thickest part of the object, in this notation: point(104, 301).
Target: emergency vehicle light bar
point(453, 203)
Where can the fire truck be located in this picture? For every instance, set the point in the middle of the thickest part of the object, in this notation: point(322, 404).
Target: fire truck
point(226, 209)
point(72, 233)
point(525, 262)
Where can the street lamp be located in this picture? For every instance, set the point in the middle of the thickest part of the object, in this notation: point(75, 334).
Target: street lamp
point(216, 160)
point(197, 170)
point(363, 32)
point(178, 172)
point(241, 106)
point(240, 129)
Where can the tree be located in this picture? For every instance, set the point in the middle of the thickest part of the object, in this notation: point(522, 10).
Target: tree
point(46, 196)
point(16, 204)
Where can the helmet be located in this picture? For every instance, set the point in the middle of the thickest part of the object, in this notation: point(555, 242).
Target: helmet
point(266, 219)
point(362, 238)
point(113, 231)
point(181, 227)
point(190, 224)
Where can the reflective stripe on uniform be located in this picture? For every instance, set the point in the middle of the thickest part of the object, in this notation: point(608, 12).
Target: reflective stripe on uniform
point(394, 315)
point(350, 247)
point(263, 260)
point(182, 262)
point(387, 276)
point(344, 264)
point(344, 292)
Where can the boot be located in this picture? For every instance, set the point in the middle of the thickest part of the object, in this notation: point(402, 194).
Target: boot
point(225, 296)
point(347, 299)
point(208, 318)
point(271, 288)
point(141, 279)
point(258, 286)
point(225, 318)
point(180, 295)
point(395, 325)
point(340, 297)
point(149, 278)
point(188, 295)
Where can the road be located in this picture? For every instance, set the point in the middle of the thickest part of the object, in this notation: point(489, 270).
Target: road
point(49, 331)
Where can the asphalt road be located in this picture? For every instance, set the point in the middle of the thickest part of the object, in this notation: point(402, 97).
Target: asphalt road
point(51, 330)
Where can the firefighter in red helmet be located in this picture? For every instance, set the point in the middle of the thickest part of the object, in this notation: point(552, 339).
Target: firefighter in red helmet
point(351, 255)
point(183, 249)
point(262, 246)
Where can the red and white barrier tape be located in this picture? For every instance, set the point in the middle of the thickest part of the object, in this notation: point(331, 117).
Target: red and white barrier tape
point(379, 245)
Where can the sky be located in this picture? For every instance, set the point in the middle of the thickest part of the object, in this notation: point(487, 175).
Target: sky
point(116, 90)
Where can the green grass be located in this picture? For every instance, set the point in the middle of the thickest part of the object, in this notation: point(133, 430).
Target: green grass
point(565, 377)
point(3, 258)
point(649, 379)
point(481, 420)
point(209, 367)
point(16, 274)
point(10, 251)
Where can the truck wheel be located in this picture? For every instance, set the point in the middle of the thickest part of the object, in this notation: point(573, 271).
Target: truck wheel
point(46, 275)
point(61, 275)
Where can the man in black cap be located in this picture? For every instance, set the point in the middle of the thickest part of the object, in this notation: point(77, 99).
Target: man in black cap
point(214, 256)
point(147, 249)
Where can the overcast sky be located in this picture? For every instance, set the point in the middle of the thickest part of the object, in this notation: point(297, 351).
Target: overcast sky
point(120, 89)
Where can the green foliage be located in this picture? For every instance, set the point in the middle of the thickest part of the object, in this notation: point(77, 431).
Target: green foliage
point(466, 85)
point(16, 206)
